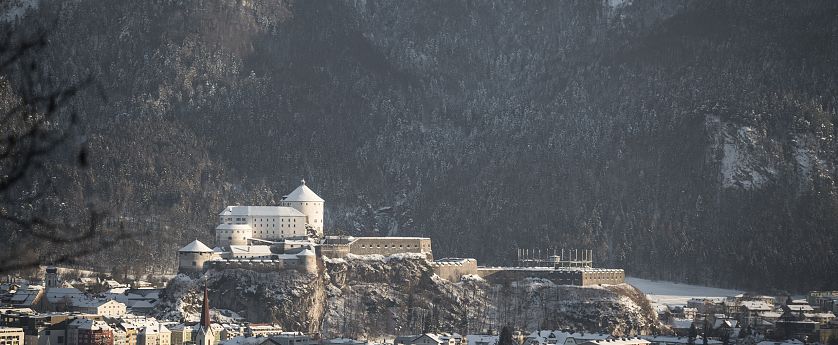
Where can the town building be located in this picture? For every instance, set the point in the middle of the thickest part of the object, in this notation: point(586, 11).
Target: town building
point(262, 330)
point(482, 339)
point(89, 332)
point(675, 340)
point(290, 338)
point(154, 333)
point(548, 337)
point(11, 336)
point(431, 339)
point(618, 341)
point(104, 307)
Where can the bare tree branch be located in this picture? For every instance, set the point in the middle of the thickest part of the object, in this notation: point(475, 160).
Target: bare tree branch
point(36, 124)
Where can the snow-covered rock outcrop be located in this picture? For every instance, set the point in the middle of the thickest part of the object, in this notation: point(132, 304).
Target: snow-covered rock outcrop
point(372, 296)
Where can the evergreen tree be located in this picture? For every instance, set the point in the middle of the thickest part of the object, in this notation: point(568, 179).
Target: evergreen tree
point(506, 336)
point(691, 335)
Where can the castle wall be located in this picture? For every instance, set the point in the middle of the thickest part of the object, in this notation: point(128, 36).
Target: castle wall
point(578, 277)
point(391, 245)
point(306, 265)
point(333, 250)
point(603, 276)
point(455, 270)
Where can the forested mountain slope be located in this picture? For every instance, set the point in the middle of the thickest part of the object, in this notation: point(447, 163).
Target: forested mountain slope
point(691, 141)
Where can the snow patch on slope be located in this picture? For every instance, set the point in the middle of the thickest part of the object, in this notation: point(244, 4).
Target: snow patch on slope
point(749, 158)
point(15, 9)
point(670, 293)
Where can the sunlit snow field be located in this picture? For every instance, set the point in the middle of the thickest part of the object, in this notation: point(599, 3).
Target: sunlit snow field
point(669, 293)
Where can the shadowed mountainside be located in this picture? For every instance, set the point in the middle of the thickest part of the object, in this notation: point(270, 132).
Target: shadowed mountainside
point(688, 141)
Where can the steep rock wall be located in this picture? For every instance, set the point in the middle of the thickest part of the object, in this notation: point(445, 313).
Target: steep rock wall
point(371, 296)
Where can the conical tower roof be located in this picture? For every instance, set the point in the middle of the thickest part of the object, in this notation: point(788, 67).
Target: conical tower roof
point(205, 311)
point(303, 193)
point(196, 247)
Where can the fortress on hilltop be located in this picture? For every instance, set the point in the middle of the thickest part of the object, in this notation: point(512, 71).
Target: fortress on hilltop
point(291, 236)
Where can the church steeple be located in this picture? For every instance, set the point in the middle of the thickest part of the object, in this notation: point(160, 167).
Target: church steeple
point(205, 311)
point(205, 335)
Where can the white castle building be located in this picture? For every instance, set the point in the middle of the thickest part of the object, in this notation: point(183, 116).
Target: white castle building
point(287, 236)
point(300, 214)
point(271, 237)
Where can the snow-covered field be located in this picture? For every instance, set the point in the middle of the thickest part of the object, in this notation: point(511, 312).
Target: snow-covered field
point(669, 293)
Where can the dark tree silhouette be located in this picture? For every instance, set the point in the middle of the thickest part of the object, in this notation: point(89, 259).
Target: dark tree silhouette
point(37, 123)
point(692, 334)
point(506, 336)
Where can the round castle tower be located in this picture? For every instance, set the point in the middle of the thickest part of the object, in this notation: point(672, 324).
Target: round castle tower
point(303, 199)
point(191, 257)
point(308, 261)
point(232, 234)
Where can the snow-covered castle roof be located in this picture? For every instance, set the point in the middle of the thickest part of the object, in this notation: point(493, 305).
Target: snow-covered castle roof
point(303, 193)
point(282, 211)
point(196, 247)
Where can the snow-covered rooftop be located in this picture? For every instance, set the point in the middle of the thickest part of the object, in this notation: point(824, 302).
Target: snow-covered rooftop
point(756, 306)
point(303, 193)
point(196, 247)
point(92, 325)
point(785, 342)
point(56, 295)
point(677, 340)
point(257, 250)
point(619, 341)
point(560, 337)
point(475, 339)
point(267, 211)
point(800, 307)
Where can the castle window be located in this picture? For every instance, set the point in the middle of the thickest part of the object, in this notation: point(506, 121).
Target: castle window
point(194, 264)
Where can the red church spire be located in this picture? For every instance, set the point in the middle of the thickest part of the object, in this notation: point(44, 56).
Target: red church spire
point(205, 311)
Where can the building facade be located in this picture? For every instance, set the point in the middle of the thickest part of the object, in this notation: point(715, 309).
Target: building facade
point(11, 336)
point(299, 214)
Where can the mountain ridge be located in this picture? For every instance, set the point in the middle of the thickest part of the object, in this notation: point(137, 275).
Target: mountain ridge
point(482, 125)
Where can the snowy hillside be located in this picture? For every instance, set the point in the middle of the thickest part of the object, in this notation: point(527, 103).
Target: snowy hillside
point(670, 293)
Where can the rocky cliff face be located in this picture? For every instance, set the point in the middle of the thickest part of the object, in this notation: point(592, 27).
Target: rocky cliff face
point(682, 140)
point(374, 296)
